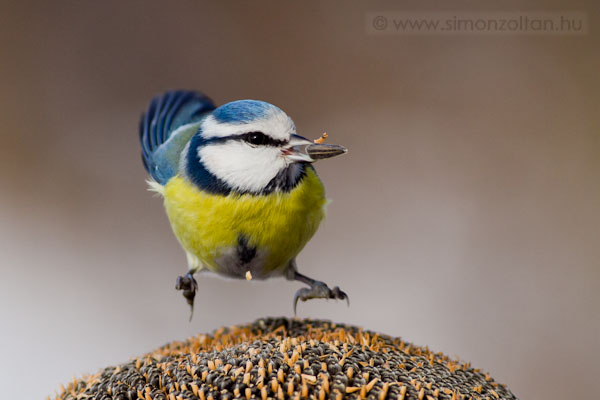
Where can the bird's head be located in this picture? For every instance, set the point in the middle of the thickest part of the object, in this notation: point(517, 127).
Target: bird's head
point(250, 146)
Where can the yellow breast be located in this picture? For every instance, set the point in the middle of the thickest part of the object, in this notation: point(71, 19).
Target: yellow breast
point(278, 224)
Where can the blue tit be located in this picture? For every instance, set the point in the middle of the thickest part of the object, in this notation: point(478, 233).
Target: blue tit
point(239, 187)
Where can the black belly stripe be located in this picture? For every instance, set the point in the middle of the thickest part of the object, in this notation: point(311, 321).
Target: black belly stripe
point(245, 252)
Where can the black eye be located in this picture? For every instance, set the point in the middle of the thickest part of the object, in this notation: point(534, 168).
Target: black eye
point(256, 138)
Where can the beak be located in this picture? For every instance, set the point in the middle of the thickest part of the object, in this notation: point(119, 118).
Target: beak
point(301, 149)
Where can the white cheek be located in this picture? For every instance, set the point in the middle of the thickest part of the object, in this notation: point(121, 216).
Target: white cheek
point(242, 166)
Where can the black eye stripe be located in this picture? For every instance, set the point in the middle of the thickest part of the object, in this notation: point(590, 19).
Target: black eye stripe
point(260, 139)
point(265, 140)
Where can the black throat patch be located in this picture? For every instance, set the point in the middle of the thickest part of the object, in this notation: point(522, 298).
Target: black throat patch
point(287, 178)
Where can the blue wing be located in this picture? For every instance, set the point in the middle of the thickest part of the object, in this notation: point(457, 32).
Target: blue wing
point(166, 127)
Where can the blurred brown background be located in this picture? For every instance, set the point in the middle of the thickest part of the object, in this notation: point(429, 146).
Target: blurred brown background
point(465, 217)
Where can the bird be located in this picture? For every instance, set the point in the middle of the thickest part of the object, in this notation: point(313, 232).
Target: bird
point(238, 186)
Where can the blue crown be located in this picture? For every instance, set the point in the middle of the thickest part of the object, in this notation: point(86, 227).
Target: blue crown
point(243, 111)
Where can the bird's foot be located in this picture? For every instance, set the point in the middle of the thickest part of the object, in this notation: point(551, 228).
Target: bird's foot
point(319, 290)
point(187, 283)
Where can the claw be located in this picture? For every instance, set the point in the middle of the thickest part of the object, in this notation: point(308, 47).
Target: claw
point(319, 290)
point(189, 286)
point(300, 294)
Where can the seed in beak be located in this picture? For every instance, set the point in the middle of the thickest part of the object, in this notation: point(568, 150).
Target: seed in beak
point(320, 151)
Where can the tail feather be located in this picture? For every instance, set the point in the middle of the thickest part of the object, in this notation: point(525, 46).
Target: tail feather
point(165, 114)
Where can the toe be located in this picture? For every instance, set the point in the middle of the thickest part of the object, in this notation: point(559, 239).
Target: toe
point(179, 283)
point(340, 294)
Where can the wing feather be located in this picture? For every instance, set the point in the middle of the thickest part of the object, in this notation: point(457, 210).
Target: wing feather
point(161, 122)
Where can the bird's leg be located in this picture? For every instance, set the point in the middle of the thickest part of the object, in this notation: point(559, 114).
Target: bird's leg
point(188, 284)
point(317, 290)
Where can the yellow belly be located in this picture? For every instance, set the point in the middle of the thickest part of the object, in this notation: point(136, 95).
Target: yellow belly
point(278, 224)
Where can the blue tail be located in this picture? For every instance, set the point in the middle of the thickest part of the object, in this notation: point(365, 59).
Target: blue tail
point(166, 113)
